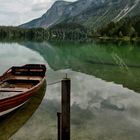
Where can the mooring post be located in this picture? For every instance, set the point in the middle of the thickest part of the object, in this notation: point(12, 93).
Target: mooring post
point(65, 132)
point(59, 124)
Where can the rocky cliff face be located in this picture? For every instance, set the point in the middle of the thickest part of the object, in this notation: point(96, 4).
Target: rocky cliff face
point(93, 13)
point(109, 10)
point(52, 16)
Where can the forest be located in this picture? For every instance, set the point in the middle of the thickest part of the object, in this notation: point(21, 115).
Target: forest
point(68, 31)
point(58, 32)
point(16, 33)
point(128, 27)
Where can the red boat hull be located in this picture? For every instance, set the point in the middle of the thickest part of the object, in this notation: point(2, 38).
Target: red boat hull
point(11, 103)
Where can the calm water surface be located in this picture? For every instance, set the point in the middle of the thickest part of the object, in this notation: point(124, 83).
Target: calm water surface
point(105, 89)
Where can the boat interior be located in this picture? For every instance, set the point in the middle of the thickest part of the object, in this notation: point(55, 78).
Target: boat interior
point(20, 79)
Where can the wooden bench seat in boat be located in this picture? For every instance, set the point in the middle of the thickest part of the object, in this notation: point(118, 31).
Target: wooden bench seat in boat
point(13, 89)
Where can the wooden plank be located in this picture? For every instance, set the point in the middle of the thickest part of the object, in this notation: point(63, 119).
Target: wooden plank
point(66, 109)
point(59, 125)
point(13, 89)
point(18, 77)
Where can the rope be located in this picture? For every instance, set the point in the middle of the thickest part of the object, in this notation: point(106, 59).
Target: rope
point(54, 83)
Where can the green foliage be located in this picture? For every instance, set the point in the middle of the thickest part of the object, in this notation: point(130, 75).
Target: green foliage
point(127, 27)
point(60, 31)
point(15, 33)
point(68, 31)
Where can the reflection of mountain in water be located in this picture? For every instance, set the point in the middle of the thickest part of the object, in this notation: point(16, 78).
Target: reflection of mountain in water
point(13, 121)
point(111, 62)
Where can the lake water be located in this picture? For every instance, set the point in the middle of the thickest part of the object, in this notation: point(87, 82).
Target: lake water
point(105, 101)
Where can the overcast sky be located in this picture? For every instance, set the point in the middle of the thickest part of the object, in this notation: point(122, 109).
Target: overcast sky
point(15, 12)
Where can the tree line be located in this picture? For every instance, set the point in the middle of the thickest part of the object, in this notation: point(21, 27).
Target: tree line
point(15, 33)
point(126, 27)
point(68, 31)
point(60, 31)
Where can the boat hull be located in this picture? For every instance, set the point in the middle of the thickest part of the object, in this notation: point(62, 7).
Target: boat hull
point(11, 103)
point(10, 110)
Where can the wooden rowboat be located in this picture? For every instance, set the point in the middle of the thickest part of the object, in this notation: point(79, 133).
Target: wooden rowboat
point(19, 84)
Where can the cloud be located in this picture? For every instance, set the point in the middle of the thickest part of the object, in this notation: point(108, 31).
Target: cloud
point(39, 7)
point(15, 12)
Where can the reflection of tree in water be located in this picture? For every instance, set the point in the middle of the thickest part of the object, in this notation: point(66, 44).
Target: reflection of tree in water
point(109, 61)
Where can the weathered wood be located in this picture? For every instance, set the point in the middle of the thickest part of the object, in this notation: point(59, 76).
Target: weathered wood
point(30, 70)
point(66, 83)
point(13, 89)
point(59, 124)
point(27, 87)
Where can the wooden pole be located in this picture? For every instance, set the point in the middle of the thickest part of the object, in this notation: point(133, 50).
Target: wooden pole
point(59, 124)
point(65, 133)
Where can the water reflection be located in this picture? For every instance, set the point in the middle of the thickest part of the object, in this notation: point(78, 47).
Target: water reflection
point(100, 110)
point(119, 63)
point(12, 122)
point(15, 54)
point(10, 55)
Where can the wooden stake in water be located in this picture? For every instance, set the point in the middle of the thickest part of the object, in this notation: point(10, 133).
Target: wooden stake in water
point(59, 123)
point(65, 132)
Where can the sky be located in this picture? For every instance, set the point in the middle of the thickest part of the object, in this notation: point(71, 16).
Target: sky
point(16, 12)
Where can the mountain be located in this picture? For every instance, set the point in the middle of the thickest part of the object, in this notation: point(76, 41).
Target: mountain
point(50, 17)
point(91, 13)
point(109, 10)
